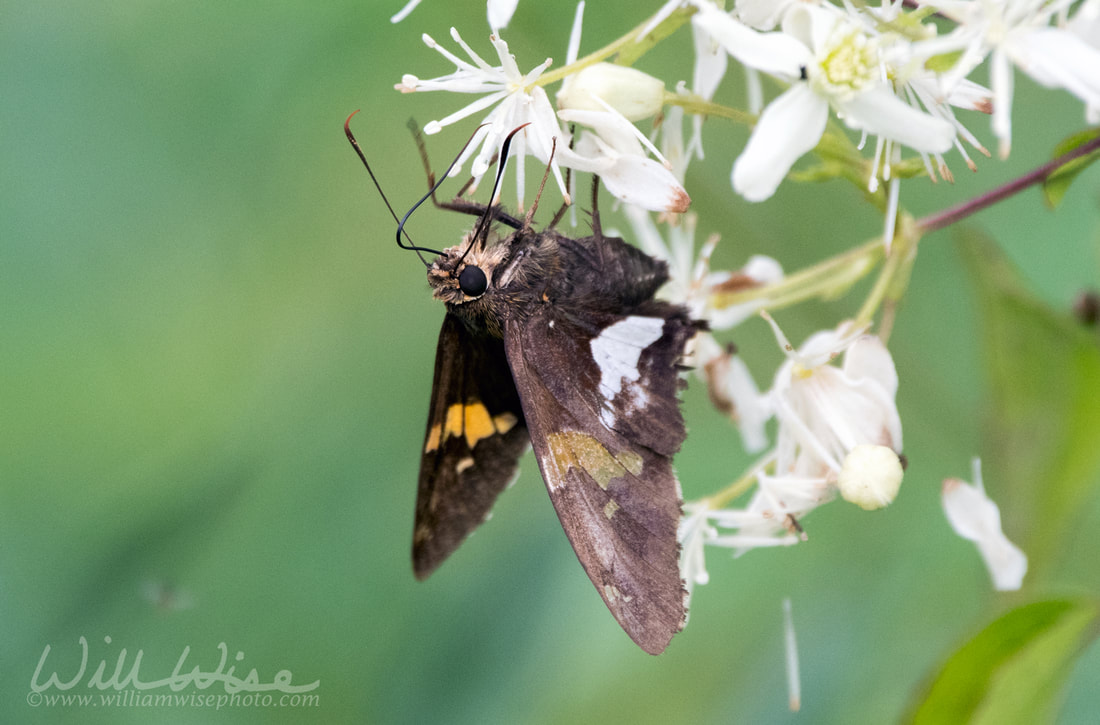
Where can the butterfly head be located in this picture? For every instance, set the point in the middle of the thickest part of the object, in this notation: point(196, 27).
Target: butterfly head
point(464, 273)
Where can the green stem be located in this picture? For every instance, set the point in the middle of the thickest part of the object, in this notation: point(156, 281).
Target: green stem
point(889, 271)
point(825, 279)
point(634, 36)
point(700, 106)
point(740, 486)
point(894, 277)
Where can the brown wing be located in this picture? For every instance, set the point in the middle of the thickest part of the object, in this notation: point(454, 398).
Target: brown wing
point(475, 436)
point(600, 403)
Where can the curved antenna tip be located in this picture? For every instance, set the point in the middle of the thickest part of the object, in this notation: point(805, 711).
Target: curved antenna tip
point(348, 121)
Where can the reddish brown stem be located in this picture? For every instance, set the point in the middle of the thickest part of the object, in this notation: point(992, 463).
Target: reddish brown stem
point(939, 220)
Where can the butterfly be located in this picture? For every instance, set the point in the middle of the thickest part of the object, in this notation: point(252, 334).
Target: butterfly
point(559, 344)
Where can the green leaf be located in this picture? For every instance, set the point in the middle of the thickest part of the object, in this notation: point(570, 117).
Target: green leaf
point(1041, 456)
point(1015, 670)
point(1058, 182)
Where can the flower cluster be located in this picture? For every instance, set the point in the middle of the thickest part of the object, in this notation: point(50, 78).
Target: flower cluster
point(870, 68)
point(838, 430)
point(889, 76)
point(610, 145)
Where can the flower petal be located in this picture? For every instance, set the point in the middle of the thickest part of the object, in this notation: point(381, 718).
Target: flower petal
point(1002, 81)
point(1059, 59)
point(500, 12)
point(762, 14)
point(790, 126)
point(769, 52)
point(878, 111)
point(810, 25)
point(869, 358)
point(974, 516)
point(404, 12)
point(644, 182)
point(711, 61)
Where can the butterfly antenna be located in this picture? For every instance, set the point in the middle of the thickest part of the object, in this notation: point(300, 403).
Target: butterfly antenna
point(418, 137)
point(564, 206)
point(378, 186)
point(458, 203)
point(422, 149)
point(568, 183)
point(545, 175)
point(432, 190)
point(481, 230)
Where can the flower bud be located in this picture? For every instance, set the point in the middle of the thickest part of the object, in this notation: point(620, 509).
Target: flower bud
point(870, 476)
point(631, 92)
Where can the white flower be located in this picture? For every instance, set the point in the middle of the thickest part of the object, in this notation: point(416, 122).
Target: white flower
point(1016, 32)
point(838, 65)
point(771, 518)
point(598, 97)
point(772, 515)
point(499, 11)
point(920, 87)
point(515, 101)
point(616, 150)
point(825, 411)
point(974, 516)
point(691, 281)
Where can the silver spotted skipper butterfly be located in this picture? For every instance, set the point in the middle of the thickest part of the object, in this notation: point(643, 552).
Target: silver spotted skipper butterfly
point(558, 344)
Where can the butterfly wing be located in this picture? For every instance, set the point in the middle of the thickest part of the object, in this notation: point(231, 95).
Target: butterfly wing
point(599, 398)
point(475, 436)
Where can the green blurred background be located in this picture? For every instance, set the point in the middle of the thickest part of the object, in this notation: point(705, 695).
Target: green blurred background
point(215, 369)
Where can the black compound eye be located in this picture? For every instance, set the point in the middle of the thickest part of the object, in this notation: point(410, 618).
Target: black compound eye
point(472, 281)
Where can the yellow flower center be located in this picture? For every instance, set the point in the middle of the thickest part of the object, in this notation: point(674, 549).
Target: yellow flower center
point(798, 372)
point(848, 65)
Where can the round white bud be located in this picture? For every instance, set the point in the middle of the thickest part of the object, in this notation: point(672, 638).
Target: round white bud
point(870, 476)
point(631, 92)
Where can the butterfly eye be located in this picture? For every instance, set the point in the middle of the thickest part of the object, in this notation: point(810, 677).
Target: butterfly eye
point(472, 281)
